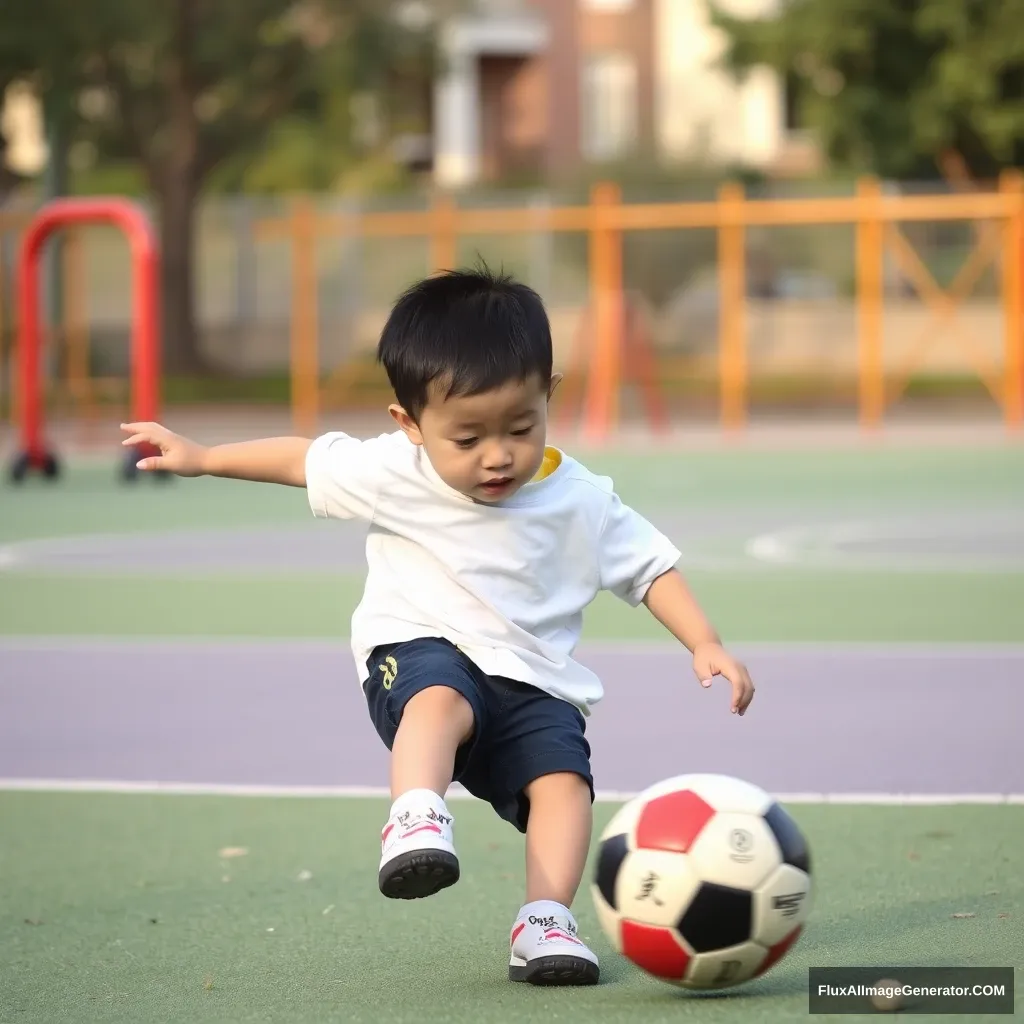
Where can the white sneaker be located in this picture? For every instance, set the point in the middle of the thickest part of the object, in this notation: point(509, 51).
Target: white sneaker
point(417, 852)
point(546, 950)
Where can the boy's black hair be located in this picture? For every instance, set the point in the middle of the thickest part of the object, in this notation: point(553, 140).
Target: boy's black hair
point(466, 331)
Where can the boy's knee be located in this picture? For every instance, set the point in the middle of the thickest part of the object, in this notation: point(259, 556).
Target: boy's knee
point(557, 786)
point(443, 703)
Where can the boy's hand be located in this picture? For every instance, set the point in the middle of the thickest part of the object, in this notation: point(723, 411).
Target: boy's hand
point(710, 660)
point(177, 455)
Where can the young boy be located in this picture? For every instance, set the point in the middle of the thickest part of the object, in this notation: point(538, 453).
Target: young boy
point(484, 547)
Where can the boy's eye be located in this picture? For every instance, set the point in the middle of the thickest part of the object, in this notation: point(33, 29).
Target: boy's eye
point(522, 431)
point(466, 442)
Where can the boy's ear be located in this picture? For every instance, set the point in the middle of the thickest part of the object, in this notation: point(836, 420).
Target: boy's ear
point(556, 379)
point(407, 423)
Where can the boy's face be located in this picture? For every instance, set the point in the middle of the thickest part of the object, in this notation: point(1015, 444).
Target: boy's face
point(488, 445)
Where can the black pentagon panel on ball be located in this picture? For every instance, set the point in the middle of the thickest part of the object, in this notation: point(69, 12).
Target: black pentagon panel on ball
point(791, 840)
point(613, 852)
point(718, 917)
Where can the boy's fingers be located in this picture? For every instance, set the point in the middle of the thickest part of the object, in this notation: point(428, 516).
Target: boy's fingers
point(740, 690)
point(154, 462)
point(135, 439)
point(735, 673)
point(746, 695)
point(148, 431)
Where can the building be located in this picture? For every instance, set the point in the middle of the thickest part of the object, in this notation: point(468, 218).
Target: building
point(546, 86)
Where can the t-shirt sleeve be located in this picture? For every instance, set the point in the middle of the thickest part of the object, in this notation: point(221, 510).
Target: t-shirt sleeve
point(632, 552)
point(344, 475)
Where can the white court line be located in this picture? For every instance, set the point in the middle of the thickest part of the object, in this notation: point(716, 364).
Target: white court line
point(458, 793)
point(820, 546)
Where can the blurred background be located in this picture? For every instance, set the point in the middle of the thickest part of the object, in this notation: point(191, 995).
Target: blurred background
point(688, 183)
point(788, 231)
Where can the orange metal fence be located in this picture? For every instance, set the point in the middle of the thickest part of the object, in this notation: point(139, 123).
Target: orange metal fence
point(611, 356)
point(875, 217)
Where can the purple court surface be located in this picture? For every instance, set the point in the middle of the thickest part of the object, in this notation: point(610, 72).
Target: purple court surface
point(827, 719)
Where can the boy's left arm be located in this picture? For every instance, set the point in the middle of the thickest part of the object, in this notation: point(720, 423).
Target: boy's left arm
point(637, 563)
point(671, 602)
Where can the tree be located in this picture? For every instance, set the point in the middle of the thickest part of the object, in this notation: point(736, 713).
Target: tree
point(898, 87)
point(182, 85)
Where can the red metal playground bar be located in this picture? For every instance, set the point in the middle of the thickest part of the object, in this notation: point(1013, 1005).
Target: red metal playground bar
point(34, 453)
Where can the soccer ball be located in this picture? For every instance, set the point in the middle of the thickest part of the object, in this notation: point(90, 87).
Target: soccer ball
point(703, 881)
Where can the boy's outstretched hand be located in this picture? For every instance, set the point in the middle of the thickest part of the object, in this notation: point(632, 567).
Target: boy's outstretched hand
point(710, 660)
point(669, 600)
point(178, 454)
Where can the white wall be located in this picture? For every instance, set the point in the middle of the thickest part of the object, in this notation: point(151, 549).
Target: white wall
point(701, 113)
point(21, 123)
point(457, 90)
point(457, 121)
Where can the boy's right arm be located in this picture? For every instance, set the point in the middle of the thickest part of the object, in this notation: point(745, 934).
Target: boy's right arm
point(272, 460)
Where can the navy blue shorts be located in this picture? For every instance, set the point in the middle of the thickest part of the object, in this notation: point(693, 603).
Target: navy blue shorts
point(520, 731)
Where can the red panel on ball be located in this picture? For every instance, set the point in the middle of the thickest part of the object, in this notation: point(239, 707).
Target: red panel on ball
point(779, 950)
point(655, 950)
point(672, 822)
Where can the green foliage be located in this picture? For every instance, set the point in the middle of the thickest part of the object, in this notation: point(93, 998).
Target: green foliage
point(253, 91)
point(110, 178)
point(257, 90)
point(294, 156)
point(896, 87)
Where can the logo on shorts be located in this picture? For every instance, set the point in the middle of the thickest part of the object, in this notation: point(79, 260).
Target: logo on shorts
point(390, 670)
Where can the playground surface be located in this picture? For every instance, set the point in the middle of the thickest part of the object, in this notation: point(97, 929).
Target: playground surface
point(191, 791)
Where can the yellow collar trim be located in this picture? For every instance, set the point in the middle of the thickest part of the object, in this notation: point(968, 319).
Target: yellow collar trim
point(552, 460)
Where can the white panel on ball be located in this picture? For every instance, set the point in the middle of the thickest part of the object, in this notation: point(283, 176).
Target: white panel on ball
point(725, 967)
point(655, 887)
point(725, 793)
point(737, 850)
point(782, 903)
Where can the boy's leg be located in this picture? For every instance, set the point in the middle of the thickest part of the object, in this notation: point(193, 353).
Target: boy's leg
point(545, 947)
point(558, 834)
point(427, 709)
point(540, 741)
point(435, 722)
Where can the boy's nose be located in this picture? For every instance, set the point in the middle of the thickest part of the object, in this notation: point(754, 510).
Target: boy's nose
point(498, 457)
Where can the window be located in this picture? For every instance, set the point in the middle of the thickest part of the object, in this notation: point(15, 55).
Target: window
point(609, 113)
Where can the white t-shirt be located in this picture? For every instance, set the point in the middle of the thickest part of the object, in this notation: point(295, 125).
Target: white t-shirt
point(505, 583)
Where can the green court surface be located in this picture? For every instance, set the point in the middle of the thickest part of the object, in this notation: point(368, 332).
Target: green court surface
point(122, 907)
point(749, 601)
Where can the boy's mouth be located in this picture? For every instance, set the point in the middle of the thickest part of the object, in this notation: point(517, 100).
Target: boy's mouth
point(497, 485)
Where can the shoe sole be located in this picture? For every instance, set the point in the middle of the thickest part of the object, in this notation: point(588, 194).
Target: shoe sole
point(556, 970)
point(416, 875)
